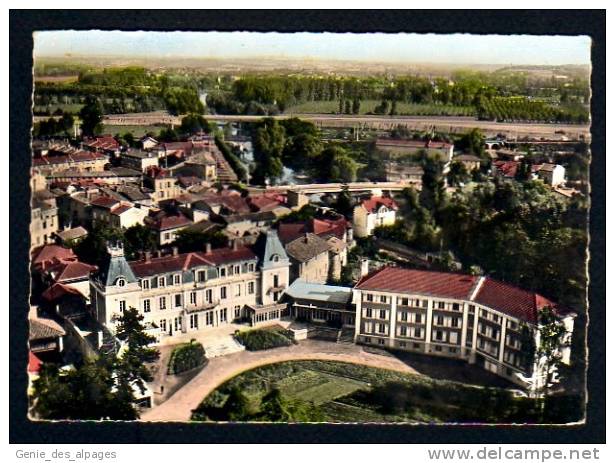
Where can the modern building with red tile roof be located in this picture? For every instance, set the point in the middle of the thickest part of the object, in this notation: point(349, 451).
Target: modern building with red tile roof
point(473, 318)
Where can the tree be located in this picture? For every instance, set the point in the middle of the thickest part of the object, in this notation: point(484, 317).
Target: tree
point(268, 140)
point(343, 203)
point(552, 337)
point(131, 363)
point(347, 107)
point(356, 105)
point(432, 193)
point(472, 142)
point(274, 407)
point(393, 111)
point(67, 121)
point(457, 174)
point(91, 115)
point(139, 238)
point(194, 123)
point(87, 392)
point(192, 240)
point(93, 248)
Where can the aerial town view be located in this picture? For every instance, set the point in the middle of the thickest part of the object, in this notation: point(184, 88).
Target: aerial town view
point(309, 227)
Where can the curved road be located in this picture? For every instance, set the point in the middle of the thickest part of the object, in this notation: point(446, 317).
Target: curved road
point(220, 369)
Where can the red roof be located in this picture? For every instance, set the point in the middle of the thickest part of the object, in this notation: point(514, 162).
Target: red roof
point(401, 280)
point(58, 290)
point(34, 363)
point(511, 300)
point(507, 168)
point(120, 210)
point(503, 297)
point(71, 270)
point(104, 201)
point(104, 142)
point(265, 202)
point(50, 254)
point(169, 222)
point(322, 227)
point(66, 158)
point(182, 262)
point(372, 204)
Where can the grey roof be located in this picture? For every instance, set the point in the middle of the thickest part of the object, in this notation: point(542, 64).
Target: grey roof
point(250, 217)
point(115, 267)
point(301, 289)
point(307, 247)
point(72, 233)
point(138, 154)
point(44, 328)
point(269, 245)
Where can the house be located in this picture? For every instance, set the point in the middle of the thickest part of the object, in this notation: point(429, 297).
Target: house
point(103, 144)
point(185, 293)
point(166, 226)
point(506, 169)
point(371, 213)
point(476, 319)
point(126, 216)
point(163, 184)
point(71, 235)
point(148, 142)
point(71, 160)
point(309, 258)
point(62, 271)
point(46, 336)
point(320, 303)
point(139, 160)
point(323, 226)
point(469, 161)
point(238, 225)
point(44, 218)
point(112, 176)
point(202, 165)
point(403, 172)
point(552, 174)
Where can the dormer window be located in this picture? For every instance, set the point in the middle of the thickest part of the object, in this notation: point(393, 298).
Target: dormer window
point(120, 282)
point(275, 258)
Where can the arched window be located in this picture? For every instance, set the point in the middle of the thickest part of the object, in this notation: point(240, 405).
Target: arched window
point(275, 258)
point(120, 282)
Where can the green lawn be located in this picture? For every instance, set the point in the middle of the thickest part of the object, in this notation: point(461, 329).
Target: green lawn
point(367, 106)
point(344, 393)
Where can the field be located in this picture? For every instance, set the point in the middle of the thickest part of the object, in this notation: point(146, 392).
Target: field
point(344, 392)
point(367, 106)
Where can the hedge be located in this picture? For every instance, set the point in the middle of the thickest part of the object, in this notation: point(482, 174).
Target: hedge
point(186, 357)
point(268, 338)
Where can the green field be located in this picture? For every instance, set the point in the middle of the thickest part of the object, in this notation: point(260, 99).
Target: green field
point(343, 392)
point(367, 106)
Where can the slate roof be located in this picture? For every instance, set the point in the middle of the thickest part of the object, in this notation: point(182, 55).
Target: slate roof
point(268, 245)
point(300, 289)
point(72, 233)
point(306, 247)
point(115, 267)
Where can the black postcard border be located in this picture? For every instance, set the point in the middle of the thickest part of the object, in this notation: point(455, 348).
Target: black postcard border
point(562, 22)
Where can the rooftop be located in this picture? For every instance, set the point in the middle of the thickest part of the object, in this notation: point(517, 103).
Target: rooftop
point(301, 289)
point(375, 202)
point(307, 247)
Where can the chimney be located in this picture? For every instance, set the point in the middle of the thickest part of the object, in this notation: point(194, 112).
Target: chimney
point(33, 314)
point(235, 245)
point(364, 267)
point(305, 238)
point(207, 248)
point(175, 250)
point(158, 253)
point(148, 256)
point(100, 338)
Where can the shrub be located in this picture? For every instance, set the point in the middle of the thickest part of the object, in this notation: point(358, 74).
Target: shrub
point(261, 339)
point(186, 357)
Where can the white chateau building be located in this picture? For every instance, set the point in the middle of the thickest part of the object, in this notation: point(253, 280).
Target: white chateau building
point(180, 293)
point(476, 319)
point(374, 212)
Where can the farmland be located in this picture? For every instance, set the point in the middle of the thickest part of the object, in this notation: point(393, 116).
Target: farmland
point(368, 106)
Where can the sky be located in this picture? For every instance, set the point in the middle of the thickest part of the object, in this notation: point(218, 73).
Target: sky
point(419, 48)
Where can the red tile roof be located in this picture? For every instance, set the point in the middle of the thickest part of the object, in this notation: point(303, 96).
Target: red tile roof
point(169, 222)
point(372, 204)
point(183, 262)
point(503, 297)
point(322, 227)
point(71, 270)
point(507, 168)
point(34, 363)
point(121, 209)
point(511, 300)
point(104, 142)
point(104, 201)
point(80, 156)
point(401, 280)
point(265, 202)
point(58, 290)
point(50, 254)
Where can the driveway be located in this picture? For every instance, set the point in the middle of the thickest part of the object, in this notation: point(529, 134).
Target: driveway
point(180, 405)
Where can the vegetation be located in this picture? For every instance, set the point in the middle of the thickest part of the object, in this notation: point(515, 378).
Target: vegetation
point(186, 357)
point(232, 159)
point(313, 391)
point(100, 389)
point(265, 338)
point(188, 240)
